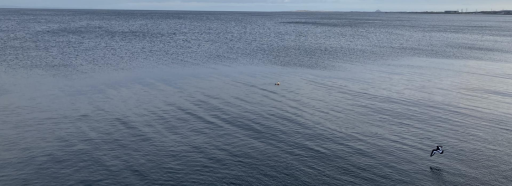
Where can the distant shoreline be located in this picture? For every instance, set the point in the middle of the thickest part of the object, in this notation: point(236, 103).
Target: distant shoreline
point(505, 12)
point(501, 12)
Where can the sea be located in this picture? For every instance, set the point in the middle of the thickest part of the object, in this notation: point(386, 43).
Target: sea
point(122, 97)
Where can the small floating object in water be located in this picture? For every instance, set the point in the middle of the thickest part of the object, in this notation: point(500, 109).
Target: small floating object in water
point(278, 84)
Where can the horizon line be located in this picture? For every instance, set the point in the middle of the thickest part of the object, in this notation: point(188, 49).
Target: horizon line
point(300, 10)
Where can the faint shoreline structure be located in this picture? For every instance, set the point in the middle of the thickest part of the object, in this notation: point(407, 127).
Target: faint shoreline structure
point(499, 12)
point(502, 12)
point(451, 12)
point(460, 11)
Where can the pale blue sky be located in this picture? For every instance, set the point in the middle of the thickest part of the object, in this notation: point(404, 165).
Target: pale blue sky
point(267, 5)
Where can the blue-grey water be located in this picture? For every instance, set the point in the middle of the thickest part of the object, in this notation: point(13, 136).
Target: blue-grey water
point(104, 97)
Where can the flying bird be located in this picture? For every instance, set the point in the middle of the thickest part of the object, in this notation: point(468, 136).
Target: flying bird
point(438, 149)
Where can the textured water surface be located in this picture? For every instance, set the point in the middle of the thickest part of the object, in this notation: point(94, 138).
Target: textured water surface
point(102, 97)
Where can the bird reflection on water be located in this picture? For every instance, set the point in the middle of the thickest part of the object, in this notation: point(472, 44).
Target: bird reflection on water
point(438, 175)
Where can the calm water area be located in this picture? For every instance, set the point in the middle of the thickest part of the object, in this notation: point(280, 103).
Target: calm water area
point(110, 97)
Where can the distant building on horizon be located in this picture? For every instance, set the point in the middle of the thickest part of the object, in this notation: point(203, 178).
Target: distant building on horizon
point(451, 11)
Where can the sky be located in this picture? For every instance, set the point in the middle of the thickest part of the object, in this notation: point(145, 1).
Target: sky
point(267, 5)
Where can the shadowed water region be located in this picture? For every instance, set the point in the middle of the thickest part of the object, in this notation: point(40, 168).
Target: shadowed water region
point(103, 97)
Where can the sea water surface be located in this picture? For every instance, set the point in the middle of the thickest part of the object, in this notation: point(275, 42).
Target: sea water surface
point(105, 97)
